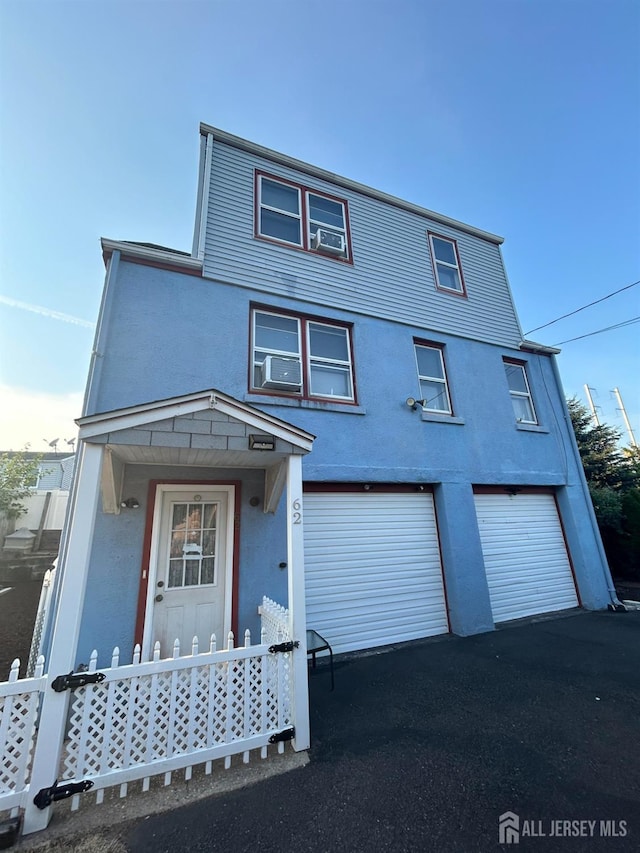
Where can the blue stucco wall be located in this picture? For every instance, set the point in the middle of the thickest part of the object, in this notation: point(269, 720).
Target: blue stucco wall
point(112, 587)
point(171, 334)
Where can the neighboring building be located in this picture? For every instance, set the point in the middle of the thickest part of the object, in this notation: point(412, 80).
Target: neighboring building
point(313, 307)
point(55, 473)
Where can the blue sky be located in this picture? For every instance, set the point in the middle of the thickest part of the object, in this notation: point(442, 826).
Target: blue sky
point(521, 117)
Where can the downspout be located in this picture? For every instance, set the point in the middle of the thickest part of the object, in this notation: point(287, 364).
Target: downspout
point(585, 489)
point(97, 354)
point(202, 203)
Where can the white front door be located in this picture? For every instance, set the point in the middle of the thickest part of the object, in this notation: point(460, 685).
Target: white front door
point(192, 566)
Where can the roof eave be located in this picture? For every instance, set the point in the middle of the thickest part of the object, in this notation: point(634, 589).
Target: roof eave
point(346, 183)
point(130, 417)
point(144, 253)
point(541, 349)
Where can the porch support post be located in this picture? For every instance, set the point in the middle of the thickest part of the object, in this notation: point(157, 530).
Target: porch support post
point(73, 569)
point(297, 615)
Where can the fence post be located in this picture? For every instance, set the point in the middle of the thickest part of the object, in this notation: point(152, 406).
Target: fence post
point(297, 615)
point(74, 569)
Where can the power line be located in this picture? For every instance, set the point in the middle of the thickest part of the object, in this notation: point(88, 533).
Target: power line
point(599, 331)
point(571, 313)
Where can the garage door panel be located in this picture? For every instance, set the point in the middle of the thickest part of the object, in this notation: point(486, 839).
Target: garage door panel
point(362, 635)
point(373, 572)
point(526, 561)
point(362, 616)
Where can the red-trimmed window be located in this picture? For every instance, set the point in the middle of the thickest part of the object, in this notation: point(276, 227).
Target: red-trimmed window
point(520, 392)
point(434, 388)
point(301, 217)
point(301, 356)
point(446, 264)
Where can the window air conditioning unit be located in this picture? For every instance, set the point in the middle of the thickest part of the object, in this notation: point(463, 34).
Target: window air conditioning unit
point(328, 242)
point(280, 372)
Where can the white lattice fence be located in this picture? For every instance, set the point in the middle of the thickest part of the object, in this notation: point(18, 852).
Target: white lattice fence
point(274, 620)
point(19, 703)
point(159, 716)
point(41, 619)
point(275, 629)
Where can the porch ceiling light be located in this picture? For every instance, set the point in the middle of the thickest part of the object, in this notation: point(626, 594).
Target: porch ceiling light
point(130, 503)
point(413, 403)
point(262, 442)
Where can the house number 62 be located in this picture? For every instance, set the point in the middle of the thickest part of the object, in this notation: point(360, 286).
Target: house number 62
point(297, 511)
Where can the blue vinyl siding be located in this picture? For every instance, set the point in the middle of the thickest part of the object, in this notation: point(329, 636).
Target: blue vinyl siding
point(392, 274)
point(50, 476)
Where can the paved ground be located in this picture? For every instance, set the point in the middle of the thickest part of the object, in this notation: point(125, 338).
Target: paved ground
point(423, 748)
point(18, 606)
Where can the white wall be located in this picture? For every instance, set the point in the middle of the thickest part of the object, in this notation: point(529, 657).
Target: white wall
point(35, 505)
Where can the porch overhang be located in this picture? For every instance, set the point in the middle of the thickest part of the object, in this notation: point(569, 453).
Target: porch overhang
point(205, 429)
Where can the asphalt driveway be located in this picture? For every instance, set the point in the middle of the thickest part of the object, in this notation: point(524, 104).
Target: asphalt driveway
point(422, 749)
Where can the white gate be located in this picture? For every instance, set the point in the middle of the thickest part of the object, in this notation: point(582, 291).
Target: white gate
point(134, 721)
point(19, 704)
point(163, 715)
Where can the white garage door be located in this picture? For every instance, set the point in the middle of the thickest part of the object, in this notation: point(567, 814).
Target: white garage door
point(372, 566)
point(525, 555)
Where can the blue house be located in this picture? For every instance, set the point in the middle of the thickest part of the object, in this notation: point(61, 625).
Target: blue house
point(329, 397)
point(324, 415)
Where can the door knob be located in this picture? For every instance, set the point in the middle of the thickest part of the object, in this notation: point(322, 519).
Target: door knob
point(159, 597)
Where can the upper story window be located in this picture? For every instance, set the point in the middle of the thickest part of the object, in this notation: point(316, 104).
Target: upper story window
point(280, 211)
point(434, 388)
point(301, 356)
point(520, 392)
point(446, 264)
point(303, 218)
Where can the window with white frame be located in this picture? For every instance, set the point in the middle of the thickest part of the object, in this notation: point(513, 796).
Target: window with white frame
point(446, 264)
point(520, 392)
point(304, 356)
point(280, 211)
point(301, 217)
point(432, 376)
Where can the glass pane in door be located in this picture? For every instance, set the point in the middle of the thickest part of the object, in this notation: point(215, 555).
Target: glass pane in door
point(192, 549)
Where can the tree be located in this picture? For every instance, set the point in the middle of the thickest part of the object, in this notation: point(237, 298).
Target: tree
point(613, 477)
point(18, 473)
point(605, 465)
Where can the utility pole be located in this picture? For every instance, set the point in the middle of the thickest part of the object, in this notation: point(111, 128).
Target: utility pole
point(594, 414)
point(621, 408)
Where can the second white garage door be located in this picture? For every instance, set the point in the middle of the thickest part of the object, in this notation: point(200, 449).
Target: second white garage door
point(525, 556)
point(372, 568)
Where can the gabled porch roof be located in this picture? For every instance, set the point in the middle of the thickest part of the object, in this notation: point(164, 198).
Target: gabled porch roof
point(207, 428)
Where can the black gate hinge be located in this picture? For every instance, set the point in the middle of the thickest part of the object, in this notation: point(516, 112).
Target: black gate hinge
point(76, 679)
point(285, 734)
point(289, 646)
point(46, 796)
